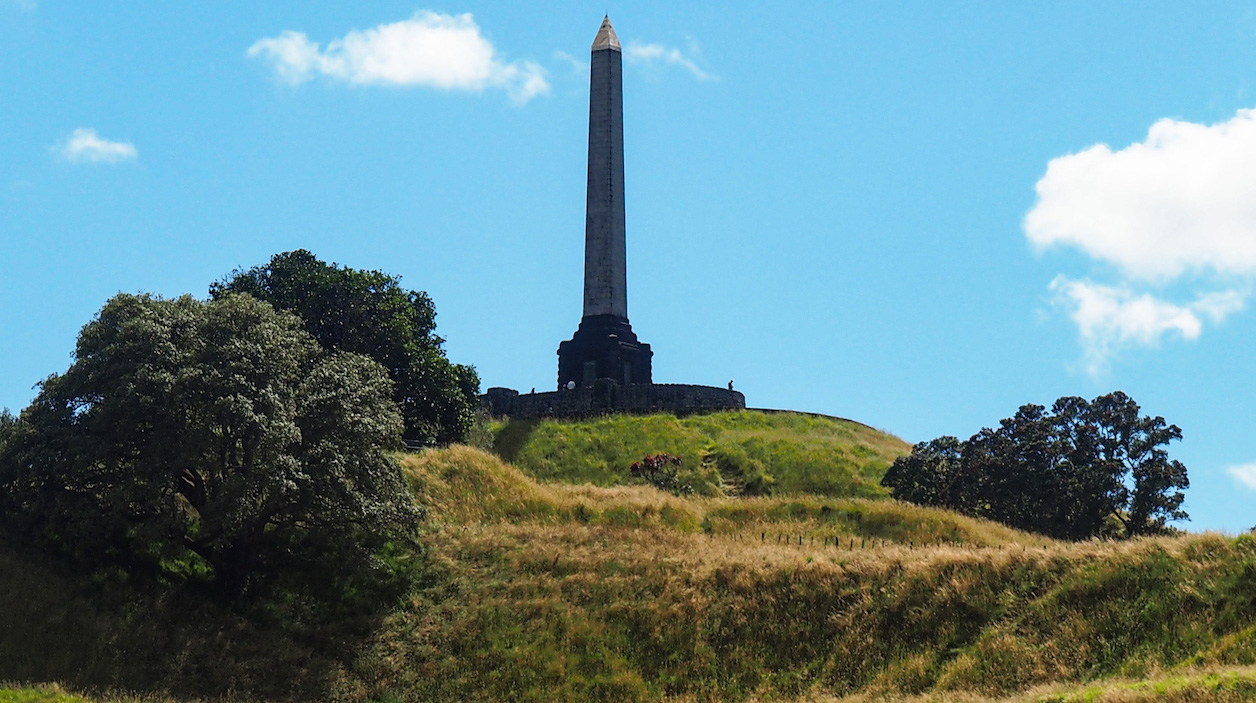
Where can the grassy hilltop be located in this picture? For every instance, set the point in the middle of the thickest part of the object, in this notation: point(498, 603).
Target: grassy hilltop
point(743, 453)
point(586, 589)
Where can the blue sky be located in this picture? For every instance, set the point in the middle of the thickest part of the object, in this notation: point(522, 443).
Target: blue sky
point(913, 215)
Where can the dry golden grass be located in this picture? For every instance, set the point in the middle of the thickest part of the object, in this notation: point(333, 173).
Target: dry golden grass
point(724, 617)
point(557, 592)
point(1207, 685)
point(718, 597)
point(1193, 685)
point(464, 486)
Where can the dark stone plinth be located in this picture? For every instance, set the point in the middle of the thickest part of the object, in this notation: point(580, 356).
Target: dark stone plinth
point(499, 401)
point(604, 347)
point(606, 397)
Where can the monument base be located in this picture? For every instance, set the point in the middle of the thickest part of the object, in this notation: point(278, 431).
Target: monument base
point(606, 397)
point(603, 347)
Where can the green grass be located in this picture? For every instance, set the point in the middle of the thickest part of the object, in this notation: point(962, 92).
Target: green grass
point(749, 452)
point(38, 694)
point(1217, 686)
point(556, 591)
point(585, 593)
point(465, 487)
point(92, 634)
point(1221, 685)
point(1232, 684)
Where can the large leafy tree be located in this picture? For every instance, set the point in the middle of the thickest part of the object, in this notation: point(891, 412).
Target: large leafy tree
point(368, 312)
point(214, 439)
point(1064, 472)
point(7, 424)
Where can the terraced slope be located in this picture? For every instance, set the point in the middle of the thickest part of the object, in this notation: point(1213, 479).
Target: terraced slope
point(626, 593)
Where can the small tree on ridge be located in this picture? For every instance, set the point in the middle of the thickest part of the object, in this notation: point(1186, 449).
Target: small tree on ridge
point(1063, 472)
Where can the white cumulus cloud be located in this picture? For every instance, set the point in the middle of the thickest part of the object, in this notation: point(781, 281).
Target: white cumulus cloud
point(1183, 200)
point(85, 146)
point(1177, 207)
point(1245, 474)
point(650, 54)
point(446, 52)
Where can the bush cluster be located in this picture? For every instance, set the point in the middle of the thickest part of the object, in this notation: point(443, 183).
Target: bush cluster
point(663, 472)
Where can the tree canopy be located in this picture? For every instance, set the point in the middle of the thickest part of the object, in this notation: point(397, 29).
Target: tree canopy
point(210, 440)
point(368, 312)
point(1065, 472)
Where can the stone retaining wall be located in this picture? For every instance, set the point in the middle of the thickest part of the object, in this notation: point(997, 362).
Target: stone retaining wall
point(604, 397)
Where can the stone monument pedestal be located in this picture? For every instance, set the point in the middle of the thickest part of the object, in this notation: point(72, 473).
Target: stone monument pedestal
point(604, 346)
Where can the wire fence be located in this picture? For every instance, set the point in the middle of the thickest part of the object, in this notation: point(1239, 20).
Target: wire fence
point(786, 539)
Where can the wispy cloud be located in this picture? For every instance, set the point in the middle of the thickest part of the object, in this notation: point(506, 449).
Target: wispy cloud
point(1112, 318)
point(577, 66)
point(1244, 474)
point(446, 52)
point(85, 146)
point(1176, 208)
point(658, 54)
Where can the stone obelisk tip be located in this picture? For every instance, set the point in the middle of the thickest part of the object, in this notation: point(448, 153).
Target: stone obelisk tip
point(606, 38)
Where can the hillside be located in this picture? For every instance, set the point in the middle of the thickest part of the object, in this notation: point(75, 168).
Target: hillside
point(551, 591)
point(739, 452)
point(576, 590)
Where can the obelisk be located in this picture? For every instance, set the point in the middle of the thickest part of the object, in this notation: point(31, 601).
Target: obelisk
point(604, 346)
point(605, 275)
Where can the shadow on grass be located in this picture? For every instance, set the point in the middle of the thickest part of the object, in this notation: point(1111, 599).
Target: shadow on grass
point(511, 438)
point(93, 637)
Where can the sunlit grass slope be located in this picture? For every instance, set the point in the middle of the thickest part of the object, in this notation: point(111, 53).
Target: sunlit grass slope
point(38, 694)
point(466, 488)
point(560, 592)
point(749, 452)
point(546, 591)
point(1234, 684)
